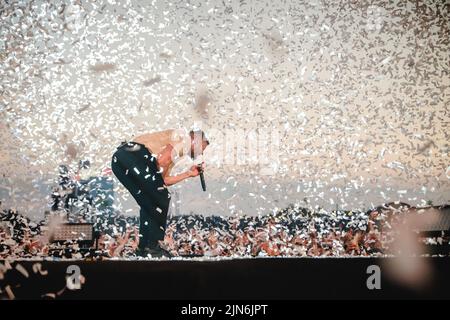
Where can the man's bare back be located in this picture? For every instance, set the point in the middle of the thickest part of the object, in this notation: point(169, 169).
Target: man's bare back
point(162, 144)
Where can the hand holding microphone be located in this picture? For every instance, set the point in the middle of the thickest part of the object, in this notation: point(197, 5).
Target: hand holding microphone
point(197, 170)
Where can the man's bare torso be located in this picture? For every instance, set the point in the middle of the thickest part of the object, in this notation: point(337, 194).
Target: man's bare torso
point(156, 142)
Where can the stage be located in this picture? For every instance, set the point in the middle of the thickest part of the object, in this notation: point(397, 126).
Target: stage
point(252, 278)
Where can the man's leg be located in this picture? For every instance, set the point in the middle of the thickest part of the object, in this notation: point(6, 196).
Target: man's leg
point(141, 171)
point(121, 173)
point(150, 230)
point(152, 217)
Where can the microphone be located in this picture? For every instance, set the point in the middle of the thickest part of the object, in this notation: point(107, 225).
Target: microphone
point(202, 178)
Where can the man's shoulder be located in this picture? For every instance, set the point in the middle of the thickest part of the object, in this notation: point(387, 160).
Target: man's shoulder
point(170, 135)
point(180, 141)
point(179, 131)
point(161, 133)
point(177, 134)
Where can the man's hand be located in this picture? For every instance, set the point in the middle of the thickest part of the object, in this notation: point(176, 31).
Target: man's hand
point(194, 170)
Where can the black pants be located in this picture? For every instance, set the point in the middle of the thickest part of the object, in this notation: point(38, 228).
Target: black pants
point(136, 169)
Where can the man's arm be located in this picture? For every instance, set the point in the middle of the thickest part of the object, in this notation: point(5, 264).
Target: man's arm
point(170, 180)
point(165, 160)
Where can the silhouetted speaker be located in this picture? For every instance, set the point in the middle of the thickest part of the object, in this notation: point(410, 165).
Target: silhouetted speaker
point(83, 232)
point(438, 220)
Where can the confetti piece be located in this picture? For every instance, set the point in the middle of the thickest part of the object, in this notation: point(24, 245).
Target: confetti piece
point(102, 67)
point(22, 270)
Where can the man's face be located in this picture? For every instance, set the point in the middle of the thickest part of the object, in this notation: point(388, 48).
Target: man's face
point(197, 147)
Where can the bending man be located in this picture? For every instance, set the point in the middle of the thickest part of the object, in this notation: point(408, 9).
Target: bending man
point(143, 166)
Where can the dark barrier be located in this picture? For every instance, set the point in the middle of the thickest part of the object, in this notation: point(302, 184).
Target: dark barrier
point(258, 278)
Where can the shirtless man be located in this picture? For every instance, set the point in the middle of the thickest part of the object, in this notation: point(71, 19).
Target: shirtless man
point(143, 166)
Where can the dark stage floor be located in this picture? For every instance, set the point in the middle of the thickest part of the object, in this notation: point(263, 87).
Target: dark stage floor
point(258, 278)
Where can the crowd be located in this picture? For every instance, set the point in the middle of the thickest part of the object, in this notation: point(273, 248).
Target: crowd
point(294, 231)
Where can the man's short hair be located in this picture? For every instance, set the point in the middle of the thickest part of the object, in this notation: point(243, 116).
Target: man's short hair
point(199, 133)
